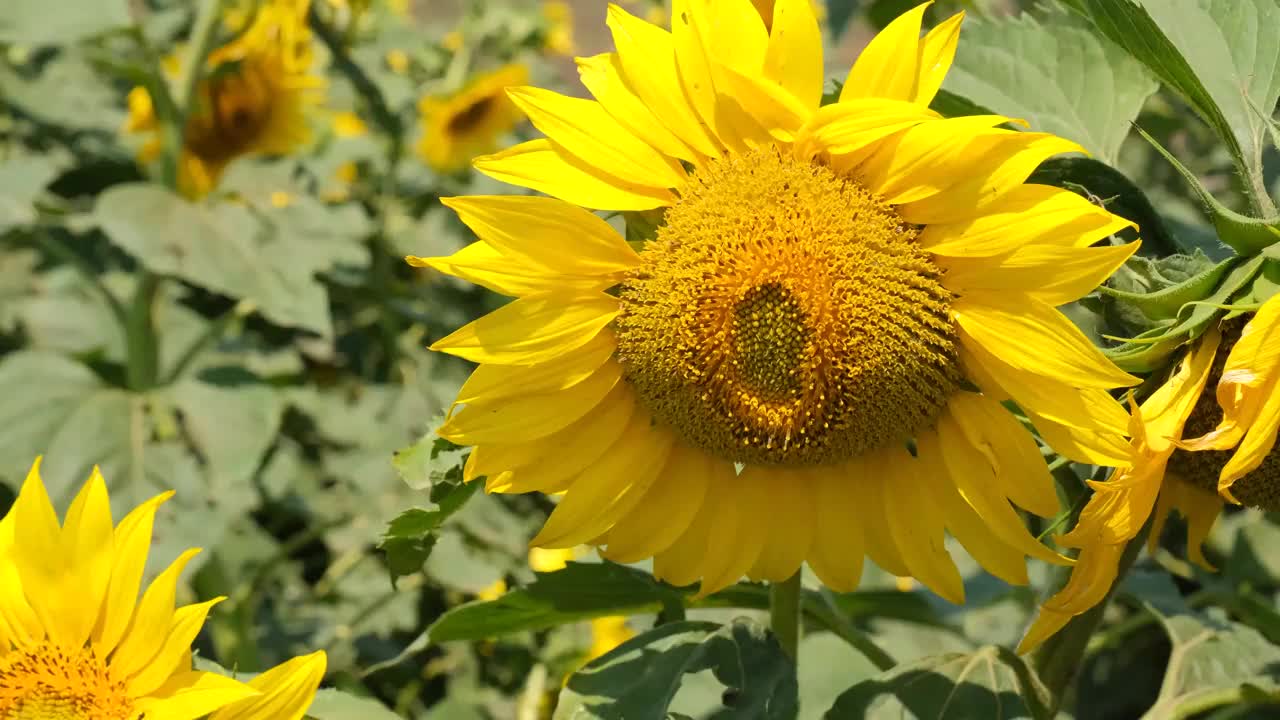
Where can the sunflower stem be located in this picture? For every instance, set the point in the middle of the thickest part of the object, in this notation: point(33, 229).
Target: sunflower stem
point(1059, 659)
point(784, 614)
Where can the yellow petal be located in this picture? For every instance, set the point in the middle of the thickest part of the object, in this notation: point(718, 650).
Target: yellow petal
point(1032, 336)
point(931, 157)
point(602, 76)
point(176, 649)
point(788, 520)
point(151, 622)
point(977, 484)
point(769, 105)
point(1090, 409)
point(849, 126)
point(38, 555)
point(1091, 580)
point(87, 539)
point(191, 695)
point(937, 51)
point(994, 165)
point(682, 563)
point(530, 416)
point(532, 329)
point(1254, 447)
point(568, 453)
point(131, 544)
point(694, 69)
point(1119, 507)
point(1201, 509)
point(1020, 469)
point(547, 232)
point(19, 625)
point(287, 691)
point(918, 526)
point(1165, 411)
point(711, 37)
point(585, 130)
point(1084, 446)
point(648, 59)
point(889, 66)
point(838, 544)
point(735, 522)
point(994, 555)
point(540, 165)
point(869, 478)
point(794, 56)
point(668, 507)
point(482, 264)
point(1055, 275)
point(1026, 214)
point(603, 493)
point(490, 384)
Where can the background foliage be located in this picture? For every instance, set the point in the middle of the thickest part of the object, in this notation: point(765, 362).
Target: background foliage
point(276, 375)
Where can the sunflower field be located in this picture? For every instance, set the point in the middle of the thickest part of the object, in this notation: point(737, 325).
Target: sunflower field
point(648, 360)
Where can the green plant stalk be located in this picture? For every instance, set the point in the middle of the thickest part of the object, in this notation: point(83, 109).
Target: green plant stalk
point(784, 614)
point(1059, 659)
point(140, 335)
point(841, 626)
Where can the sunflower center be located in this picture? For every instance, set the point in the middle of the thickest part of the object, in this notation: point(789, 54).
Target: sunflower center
point(470, 116)
point(50, 683)
point(785, 315)
point(1260, 488)
point(235, 106)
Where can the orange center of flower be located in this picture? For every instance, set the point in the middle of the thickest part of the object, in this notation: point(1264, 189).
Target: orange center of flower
point(784, 315)
point(1259, 488)
point(49, 683)
point(471, 116)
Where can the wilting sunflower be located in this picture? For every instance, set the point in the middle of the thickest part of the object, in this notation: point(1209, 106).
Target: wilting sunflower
point(76, 641)
point(254, 99)
point(456, 128)
point(1241, 364)
point(808, 361)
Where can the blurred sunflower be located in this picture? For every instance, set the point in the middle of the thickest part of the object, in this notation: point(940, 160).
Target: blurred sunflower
point(559, 17)
point(808, 361)
point(1241, 363)
point(254, 99)
point(458, 127)
point(77, 642)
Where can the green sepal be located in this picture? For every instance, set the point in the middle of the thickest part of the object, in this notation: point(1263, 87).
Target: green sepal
point(1246, 235)
point(642, 225)
point(1168, 299)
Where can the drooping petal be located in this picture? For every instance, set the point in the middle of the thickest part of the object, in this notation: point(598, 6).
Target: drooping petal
point(1055, 275)
point(838, 543)
point(789, 524)
point(585, 130)
point(1198, 506)
point(1038, 214)
point(735, 517)
point(666, 510)
point(531, 329)
point(868, 478)
point(1095, 571)
point(540, 165)
point(1033, 337)
point(1254, 447)
point(918, 526)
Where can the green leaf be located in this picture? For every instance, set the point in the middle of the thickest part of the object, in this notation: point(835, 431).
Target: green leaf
point(430, 461)
point(411, 536)
point(22, 179)
point(34, 23)
point(580, 591)
point(331, 704)
point(1213, 662)
point(839, 14)
point(1221, 56)
point(991, 682)
point(1060, 77)
point(639, 679)
point(1164, 296)
point(225, 248)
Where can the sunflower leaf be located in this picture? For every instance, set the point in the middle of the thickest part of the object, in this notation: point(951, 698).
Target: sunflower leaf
point(30, 22)
point(991, 682)
point(411, 536)
point(1057, 75)
point(640, 678)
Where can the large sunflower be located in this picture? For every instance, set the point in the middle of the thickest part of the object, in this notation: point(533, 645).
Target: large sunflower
point(254, 101)
point(76, 641)
point(1241, 363)
point(808, 361)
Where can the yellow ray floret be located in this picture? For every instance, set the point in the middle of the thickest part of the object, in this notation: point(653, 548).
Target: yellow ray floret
point(75, 633)
point(809, 360)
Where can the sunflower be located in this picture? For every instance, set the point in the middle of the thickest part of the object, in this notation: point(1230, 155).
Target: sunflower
point(254, 99)
point(458, 127)
point(808, 360)
point(1193, 476)
point(559, 18)
point(76, 641)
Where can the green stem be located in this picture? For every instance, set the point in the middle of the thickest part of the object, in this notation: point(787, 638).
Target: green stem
point(1060, 658)
point(140, 335)
point(57, 248)
point(784, 614)
point(840, 625)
